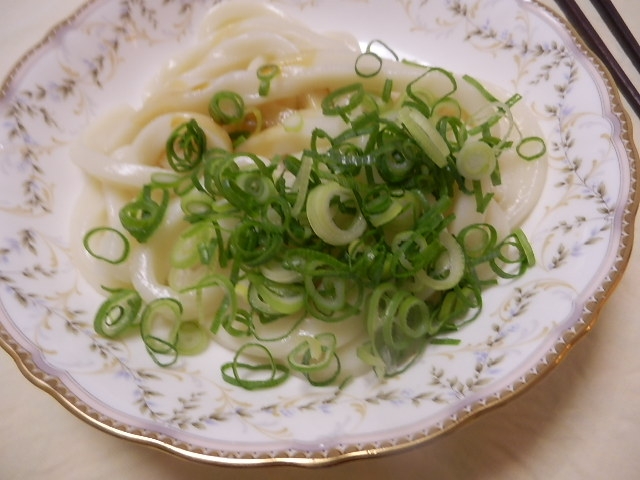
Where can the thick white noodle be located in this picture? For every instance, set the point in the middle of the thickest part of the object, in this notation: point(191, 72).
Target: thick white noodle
point(121, 151)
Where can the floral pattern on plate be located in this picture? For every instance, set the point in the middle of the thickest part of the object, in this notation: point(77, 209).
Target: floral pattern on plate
point(108, 52)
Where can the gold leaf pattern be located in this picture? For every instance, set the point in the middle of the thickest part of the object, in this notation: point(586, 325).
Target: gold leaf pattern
point(584, 214)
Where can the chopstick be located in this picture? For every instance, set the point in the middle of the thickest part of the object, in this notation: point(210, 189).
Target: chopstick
point(581, 23)
point(614, 21)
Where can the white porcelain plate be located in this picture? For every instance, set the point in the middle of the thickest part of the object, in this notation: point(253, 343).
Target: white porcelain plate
point(105, 55)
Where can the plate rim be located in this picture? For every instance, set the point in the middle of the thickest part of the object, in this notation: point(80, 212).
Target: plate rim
point(55, 387)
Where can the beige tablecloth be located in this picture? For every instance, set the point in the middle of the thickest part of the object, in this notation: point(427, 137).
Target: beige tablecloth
point(582, 421)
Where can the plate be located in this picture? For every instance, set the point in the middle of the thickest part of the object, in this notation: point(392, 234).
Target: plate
point(581, 232)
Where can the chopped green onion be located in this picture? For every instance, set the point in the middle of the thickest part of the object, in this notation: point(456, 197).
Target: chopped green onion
point(514, 250)
point(226, 108)
point(476, 160)
point(106, 239)
point(196, 244)
point(192, 339)
point(475, 83)
point(368, 64)
point(254, 376)
point(391, 350)
point(326, 376)
point(255, 243)
point(421, 94)
point(447, 107)
point(144, 215)
point(326, 221)
point(525, 146)
point(384, 49)
point(266, 73)
point(343, 100)
point(241, 326)
point(478, 241)
point(357, 224)
point(482, 200)
point(185, 147)
point(228, 310)
point(453, 132)
point(425, 135)
point(159, 328)
point(449, 274)
point(273, 298)
point(387, 90)
point(293, 122)
point(313, 353)
point(117, 313)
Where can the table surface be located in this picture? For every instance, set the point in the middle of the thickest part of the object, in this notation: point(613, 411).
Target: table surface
point(582, 421)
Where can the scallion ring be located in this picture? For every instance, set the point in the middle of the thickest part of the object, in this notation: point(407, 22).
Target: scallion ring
point(226, 107)
point(159, 328)
point(328, 222)
point(475, 160)
point(313, 353)
point(254, 376)
point(117, 313)
point(450, 272)
point(343, 100)
point(192, 338)
point(425, 134)
point(113, 244)
point(266, 73)
point(368, 64)
point(185, 146)
point(143, 216)
point(531, 148)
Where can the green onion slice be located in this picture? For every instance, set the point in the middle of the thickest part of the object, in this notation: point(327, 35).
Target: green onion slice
point(356, 224)
point(228, 310)
point(476, 160)
point(314, 353)
point(266, 73)
point(516, 251)
point(343, 100)
point(226, 108)
point(368, 64)
point(192, 338)
point(185, 147)
point(425, 134)
point(254, 376)
point(117, 313)
point(160, 327)
point(144, 215)
point(328, 222)
point(531, 148)
point(105, 240)
point(448, 274)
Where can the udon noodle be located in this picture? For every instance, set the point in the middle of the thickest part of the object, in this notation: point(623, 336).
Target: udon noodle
point(126, 151)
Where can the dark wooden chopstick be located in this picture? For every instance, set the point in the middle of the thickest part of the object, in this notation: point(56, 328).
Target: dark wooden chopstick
point(616, 24)
point(581, 23)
